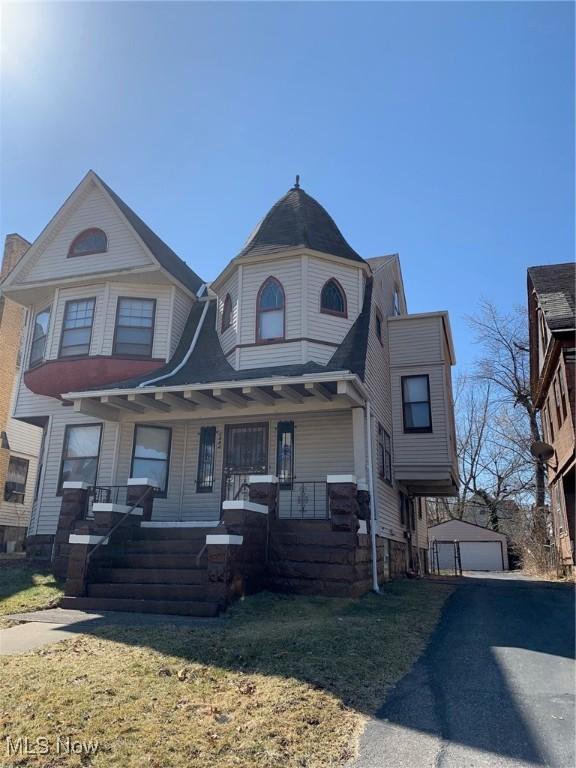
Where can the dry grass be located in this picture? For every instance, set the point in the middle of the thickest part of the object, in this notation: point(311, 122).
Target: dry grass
point(285, 682)
point(24, 588)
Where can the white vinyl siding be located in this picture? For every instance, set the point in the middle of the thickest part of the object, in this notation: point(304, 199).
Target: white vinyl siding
point(417, 347)
point(323, 326)
point(229, 338)
point(46, 519)
point(180, 312)
point(92, 209)
point(289, 273)
point(323, 445)
point(377, 380)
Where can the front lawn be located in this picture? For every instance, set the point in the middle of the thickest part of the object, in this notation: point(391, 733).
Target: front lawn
point(285, 681)
point(25, 587)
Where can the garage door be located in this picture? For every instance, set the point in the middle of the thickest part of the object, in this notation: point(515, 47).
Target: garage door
point(481, 556)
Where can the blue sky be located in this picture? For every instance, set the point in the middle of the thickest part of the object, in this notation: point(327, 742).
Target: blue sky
point(441, 131)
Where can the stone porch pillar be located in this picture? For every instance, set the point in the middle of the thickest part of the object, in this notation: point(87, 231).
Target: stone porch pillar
point(73, 509)
point(137, 487)
point(264, 490)
point(343, 502)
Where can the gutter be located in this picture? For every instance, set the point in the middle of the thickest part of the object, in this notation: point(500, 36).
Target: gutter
point(186, 357)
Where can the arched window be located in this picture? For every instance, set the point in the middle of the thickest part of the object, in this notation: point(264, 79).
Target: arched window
point(270, 311)
point(333, 299)
point(89, 241)
point(227, 313)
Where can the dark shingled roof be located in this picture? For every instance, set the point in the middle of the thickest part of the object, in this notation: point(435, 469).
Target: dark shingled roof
point(554, 286)
point(298, 220)
point(208, 364)
point(165, 255)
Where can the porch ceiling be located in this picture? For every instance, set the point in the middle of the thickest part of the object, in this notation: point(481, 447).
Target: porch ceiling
point(262, 397)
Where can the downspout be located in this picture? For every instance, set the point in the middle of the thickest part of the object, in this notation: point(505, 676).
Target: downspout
point(375, 587)
point(186, 357)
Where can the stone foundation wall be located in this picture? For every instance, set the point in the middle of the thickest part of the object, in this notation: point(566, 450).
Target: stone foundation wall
point(39, 547)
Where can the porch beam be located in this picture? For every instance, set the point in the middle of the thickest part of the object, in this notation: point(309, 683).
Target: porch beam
point(288, 393)
point(94, 408)
point(318, 390)
point(259, 394)
point(121, 402)
point(148, 401)
point(167, 398)
point(346, 391)
point(200, 398)
point(230, 397)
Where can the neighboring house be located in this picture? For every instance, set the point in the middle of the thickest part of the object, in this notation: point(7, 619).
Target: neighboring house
point(479, 548)
point(295, 378)
point(19, 442)
point(551, 309)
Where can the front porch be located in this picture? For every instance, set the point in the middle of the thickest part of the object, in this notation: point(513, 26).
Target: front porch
point(118, 558)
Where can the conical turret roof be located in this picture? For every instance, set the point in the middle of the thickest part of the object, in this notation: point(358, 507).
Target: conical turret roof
point(297, 220)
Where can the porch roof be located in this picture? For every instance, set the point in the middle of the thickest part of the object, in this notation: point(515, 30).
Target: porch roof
point(319, 391)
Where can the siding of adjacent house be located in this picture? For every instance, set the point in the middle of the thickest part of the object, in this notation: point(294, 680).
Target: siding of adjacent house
point(24, 442)
point(92, 209)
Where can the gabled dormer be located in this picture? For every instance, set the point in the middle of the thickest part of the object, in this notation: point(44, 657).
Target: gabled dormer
point(106, 297)
point(294, 290)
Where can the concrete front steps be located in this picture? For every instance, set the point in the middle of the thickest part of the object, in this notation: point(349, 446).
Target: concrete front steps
point(157, 570)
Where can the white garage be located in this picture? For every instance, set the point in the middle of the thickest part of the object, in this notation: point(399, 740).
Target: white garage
point(481, 549)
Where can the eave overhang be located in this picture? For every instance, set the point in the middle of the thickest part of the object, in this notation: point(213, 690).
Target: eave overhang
point(323, 390)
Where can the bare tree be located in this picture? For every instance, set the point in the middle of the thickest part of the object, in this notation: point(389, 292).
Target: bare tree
point(495, 466)
point(505, 365)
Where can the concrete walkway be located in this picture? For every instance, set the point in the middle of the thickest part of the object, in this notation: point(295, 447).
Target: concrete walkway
point(51, 626)
point(494, 689)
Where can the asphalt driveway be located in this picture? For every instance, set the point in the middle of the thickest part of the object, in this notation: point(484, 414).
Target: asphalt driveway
point(495, 688)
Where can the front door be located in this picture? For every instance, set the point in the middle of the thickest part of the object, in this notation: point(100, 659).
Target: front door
point(245, 453)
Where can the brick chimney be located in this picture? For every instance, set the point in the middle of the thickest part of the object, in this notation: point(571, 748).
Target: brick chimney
point(15, 246)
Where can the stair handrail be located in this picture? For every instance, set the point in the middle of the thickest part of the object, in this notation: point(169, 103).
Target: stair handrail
point(137, 503)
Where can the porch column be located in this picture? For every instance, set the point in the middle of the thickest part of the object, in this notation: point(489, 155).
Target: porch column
point(73, 508)
point(264, 490)
point(359, 445)
point(343, 502)
point(137, 487)
point(361, 463)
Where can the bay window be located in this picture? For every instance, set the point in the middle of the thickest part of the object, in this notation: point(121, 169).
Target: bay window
point(39, 336)
point(134, 332)
point(77, 328)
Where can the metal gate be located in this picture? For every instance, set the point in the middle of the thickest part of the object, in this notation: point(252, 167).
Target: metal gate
point(245, 453)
